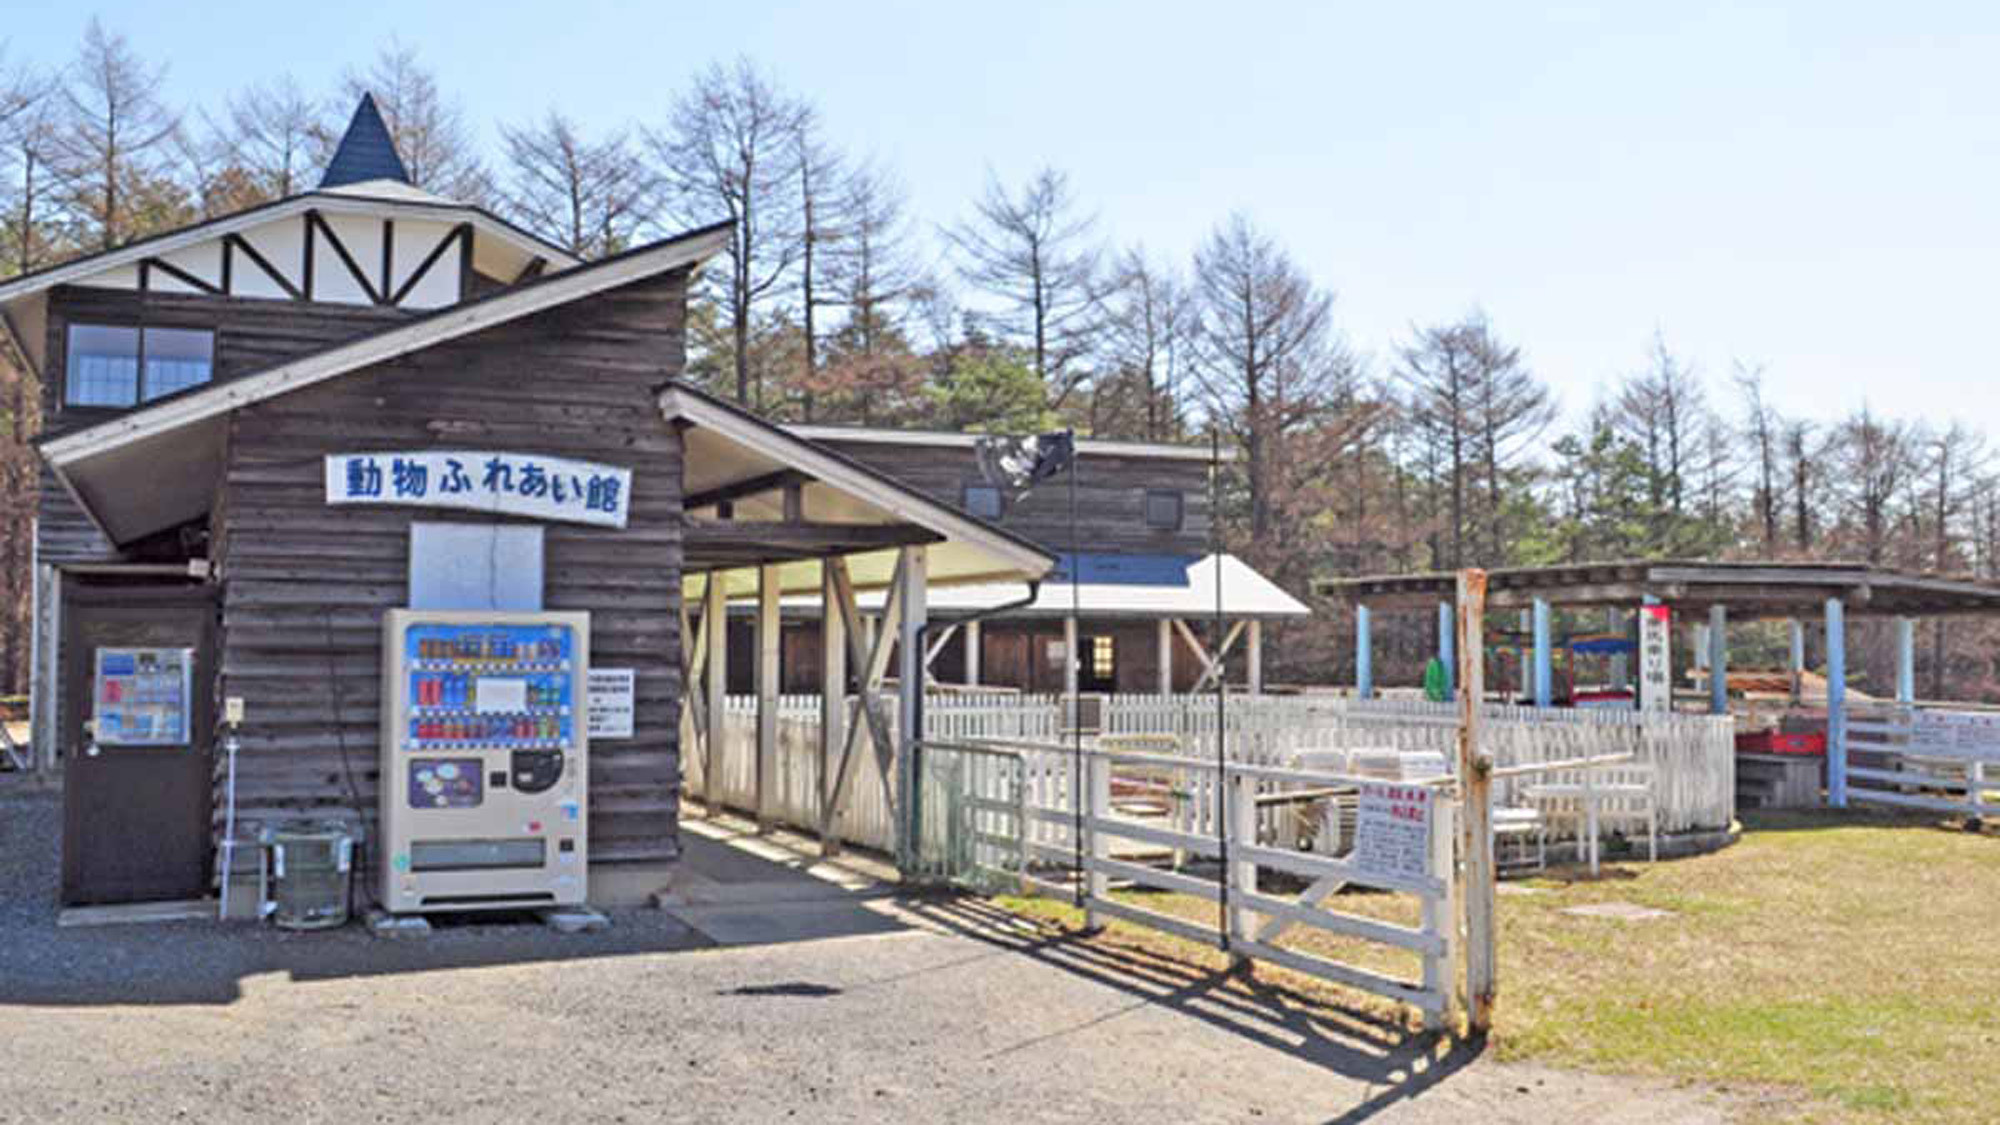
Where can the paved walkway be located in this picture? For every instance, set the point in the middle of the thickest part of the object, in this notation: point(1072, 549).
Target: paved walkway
point(920, 1011)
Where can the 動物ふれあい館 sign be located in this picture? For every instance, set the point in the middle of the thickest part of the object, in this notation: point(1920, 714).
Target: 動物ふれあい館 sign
point(515, 484)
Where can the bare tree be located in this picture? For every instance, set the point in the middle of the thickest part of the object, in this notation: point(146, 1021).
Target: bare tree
point(1875, 462)
point(872, 269)
point(728, 149)
point(589, 196)
point(1664, 410)
point(1762, 426)
point(430, 130)
point(1033, 254)
point(276, 136)
point(1144, 351)
point(113, 146)
point(1268, 362)
point(1513, 409)
point(821, 171)
point(30, 236)
point(1801, 454)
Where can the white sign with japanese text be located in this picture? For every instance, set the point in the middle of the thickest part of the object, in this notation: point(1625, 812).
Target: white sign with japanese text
point(613, 694)
point(1956, 734)
point(1656, 685)
point(1392, 830)
point(515, 484)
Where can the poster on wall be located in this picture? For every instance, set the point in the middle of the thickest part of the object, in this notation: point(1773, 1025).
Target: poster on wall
point(613, 698)
point(514, 484)
point(1656, 685)
point(1392, 831)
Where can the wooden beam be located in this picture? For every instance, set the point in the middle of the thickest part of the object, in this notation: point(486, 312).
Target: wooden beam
point(832, 694)
point(241, 246)
point(532, 270)
point(821, 537)
point(872, 661)
point(460, 233)
point(182, 276)
point(1475, 773)
point(768, 482)
point(354, 270)
point(715, 620)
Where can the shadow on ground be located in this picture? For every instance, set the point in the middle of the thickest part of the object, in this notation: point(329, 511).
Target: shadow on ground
point(1357, 1045)
point(206, 962)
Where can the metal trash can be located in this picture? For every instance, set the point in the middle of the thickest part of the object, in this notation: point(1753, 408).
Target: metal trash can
point(312, 869)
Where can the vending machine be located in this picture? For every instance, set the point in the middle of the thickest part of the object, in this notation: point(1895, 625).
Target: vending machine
point(485, 797)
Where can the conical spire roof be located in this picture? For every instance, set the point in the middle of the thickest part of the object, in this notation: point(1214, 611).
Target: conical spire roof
point(366, 152)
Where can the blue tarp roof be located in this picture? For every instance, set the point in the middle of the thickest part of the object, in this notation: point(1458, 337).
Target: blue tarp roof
point(1124, 570)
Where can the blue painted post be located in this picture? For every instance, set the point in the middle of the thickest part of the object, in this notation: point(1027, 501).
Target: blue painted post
point(1544, 670)
point(1718, 660)
point(1364, 657)
point(1798, 666)
point(1447, 628)
point(1836, 703)
point(1906, 660)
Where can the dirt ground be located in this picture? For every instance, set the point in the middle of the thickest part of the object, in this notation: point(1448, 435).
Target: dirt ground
point(930, 1010)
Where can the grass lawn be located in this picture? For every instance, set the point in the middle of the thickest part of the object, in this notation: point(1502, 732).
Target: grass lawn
point(1850, 958)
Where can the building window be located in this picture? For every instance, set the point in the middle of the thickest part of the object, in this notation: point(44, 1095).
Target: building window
point(1103, 657)
point(1163, 509)
point(117, 366)
point(984, 501)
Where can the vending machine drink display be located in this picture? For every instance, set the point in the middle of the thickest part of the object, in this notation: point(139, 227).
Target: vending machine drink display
point(484, 760)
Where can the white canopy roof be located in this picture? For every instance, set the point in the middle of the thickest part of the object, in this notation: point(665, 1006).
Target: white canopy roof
point(1245, 594)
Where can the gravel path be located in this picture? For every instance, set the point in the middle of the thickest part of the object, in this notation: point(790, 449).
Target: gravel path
point(955, 1014)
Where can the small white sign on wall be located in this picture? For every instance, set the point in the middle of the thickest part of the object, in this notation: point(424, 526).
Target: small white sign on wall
point(613, 699)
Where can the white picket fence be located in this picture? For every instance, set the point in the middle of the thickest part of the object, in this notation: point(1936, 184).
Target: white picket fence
point(1692, 756)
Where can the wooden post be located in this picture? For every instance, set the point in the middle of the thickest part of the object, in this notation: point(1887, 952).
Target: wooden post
point(767, 697)
point(1445, 649)
point(1475, 785)
point(1544, 683)
point(1439, 916)
point(1096, 885)
point(1255, 656)
point(910, 684)
point(1364, 655)
point(1166, 625)
point(969, 633)
point(1718, 660)
point(1906, 660)
point(1798, 668)
point(1242, 874)
point(1071, 661)
point(715, 615)
point(1836, 703)
point(832, 693)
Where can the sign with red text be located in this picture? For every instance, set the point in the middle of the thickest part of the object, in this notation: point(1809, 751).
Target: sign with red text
point(1392, 830)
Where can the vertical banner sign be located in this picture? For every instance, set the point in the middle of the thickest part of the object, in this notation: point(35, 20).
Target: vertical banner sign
point(1656, 688)
point(1392, 831)
point(611, 702)
point(515, 484)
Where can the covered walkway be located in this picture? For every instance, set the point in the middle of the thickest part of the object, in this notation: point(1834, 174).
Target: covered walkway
point(1641, 599)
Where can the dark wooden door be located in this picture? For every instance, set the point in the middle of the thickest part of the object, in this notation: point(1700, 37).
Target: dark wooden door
point(136, 782)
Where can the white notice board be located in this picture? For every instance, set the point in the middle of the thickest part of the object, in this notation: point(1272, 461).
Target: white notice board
point(1656, 685)
point(613, 696)
point(1392, 831)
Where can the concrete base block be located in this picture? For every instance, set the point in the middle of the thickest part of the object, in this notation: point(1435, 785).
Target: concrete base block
point(383, 924)
point(575, 920)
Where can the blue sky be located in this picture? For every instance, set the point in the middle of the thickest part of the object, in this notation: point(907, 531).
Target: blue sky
point(1806, 186)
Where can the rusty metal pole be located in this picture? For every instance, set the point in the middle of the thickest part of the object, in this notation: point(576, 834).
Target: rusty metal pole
point(1475, 775)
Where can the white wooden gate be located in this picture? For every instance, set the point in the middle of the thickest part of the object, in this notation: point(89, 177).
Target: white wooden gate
point(1927, 758)
point(1000, 813)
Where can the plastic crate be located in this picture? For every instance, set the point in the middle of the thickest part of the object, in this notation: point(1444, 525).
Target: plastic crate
point(1778, 742)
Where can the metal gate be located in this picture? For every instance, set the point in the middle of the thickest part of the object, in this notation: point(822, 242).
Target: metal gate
point(1067, 822)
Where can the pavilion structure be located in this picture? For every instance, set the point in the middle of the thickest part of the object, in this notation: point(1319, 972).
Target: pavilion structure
point(1715, 593)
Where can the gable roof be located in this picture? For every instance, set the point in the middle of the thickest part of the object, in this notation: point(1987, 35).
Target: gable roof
point(366, 151)
point(405, 204)
point(174, 444)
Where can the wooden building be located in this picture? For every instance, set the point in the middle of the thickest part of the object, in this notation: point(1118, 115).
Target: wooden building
point(1143, 616)
point(202, 385)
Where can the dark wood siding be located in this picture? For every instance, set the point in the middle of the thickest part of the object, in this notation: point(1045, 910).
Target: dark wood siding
point(305, 584)
point(1111, 495)
point(251, 335)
